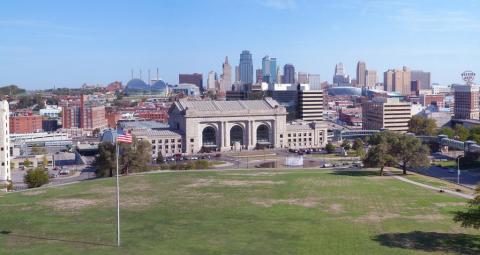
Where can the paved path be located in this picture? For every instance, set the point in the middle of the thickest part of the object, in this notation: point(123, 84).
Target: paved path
point(458, 194)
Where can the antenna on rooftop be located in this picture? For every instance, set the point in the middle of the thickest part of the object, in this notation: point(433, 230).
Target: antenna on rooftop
point(149, 83)
point(157, 73)
point(140, 74)
point(132, 73)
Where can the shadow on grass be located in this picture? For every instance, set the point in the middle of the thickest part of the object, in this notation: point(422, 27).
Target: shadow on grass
point(10, 233)
point(432, 242)
point(356, 172)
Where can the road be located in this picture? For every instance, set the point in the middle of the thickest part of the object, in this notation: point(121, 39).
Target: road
point(468, 178)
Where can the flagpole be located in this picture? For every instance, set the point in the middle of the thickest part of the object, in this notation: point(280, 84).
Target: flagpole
point(118, 198)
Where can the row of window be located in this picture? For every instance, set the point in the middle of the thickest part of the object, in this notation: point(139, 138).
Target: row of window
point(166, 141)
point(173, 146)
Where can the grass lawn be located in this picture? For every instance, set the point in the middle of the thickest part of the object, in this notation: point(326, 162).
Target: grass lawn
point(237, 212)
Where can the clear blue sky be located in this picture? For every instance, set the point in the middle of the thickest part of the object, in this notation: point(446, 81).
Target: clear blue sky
point(68, 43)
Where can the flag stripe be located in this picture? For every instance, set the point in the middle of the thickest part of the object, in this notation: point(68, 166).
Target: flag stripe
point(125, 138)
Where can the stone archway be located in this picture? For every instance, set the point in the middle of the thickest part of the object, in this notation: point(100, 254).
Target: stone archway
point(209, 139)
point(263, 134)
point(236, 135)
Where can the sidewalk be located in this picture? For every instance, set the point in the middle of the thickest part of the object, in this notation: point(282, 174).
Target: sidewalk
point(458, 194)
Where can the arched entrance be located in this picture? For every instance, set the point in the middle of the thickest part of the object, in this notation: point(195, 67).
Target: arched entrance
point(263, 136)
point(209, 139)
point(236, 135)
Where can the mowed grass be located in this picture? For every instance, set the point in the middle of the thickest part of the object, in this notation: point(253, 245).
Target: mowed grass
point(237, 212)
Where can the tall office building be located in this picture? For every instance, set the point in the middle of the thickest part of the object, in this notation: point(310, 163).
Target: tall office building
point(5, 174)
point(269, 69)
point(314, 81)
point(226, 77)
point(340, 78)
point(398, 80)
point(246, 67)
point(212, 81)
point(466, 102)
point(371, 78)
point(361, 74)
point(302, 78)
point(289, 74)
point(194, 78)
point(237, 74)
point(259, 75)
point(422, 77)
point(310, 105)
point(386, 113)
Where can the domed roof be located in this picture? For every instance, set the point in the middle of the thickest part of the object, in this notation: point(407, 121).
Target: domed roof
point(159, 85)
point(137, 84)
point(344, 91)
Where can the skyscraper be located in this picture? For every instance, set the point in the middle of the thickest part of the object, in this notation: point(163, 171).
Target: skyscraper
point(466, 99)
point(5, 174)
point(398, 80)
point(422, 77)
point(340, 78)
point(371, 78)
point(289, 74)
point(212, 80)
point(361, 74)
point(269, 69)
point(302, 78)
point(246, 67)
point(314, 81)
point(226, 77)
point(237, 74)
point(258, 74)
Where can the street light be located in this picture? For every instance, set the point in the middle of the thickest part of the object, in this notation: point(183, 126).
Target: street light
point(458, 168)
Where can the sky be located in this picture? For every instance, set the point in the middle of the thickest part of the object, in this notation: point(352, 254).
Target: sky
point(68, 43)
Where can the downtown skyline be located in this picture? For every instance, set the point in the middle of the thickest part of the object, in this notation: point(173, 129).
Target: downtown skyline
point(46, 44)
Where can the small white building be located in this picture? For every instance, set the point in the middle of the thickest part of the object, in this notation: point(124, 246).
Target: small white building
point(5, 174)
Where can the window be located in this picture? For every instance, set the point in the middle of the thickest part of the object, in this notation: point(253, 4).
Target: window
point(281, 135)
point(172, 140)
point(154, 147)
point(154, 141)
point(160, 140)
point(179, 140)
point(166, 146)
point(160, 147)
point(192, 140)
point(289, 135)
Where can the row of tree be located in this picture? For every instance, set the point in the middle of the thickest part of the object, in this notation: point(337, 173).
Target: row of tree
point(134, 157)
point(392, 149)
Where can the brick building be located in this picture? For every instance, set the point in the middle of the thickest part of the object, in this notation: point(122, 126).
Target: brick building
point(25, 124)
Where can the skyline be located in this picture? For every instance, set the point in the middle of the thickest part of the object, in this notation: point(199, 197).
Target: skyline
point(68, 44)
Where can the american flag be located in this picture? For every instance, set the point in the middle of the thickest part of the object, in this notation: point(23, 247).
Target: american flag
point(126, 138)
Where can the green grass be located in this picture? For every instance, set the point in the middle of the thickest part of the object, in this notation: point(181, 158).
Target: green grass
point(237, 212)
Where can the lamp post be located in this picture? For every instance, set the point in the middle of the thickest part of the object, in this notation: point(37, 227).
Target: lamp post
point(458, 168)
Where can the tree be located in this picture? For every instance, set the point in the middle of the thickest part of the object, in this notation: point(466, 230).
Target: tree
point(105, 161)
point(27, 163)
point(422, 126)
point(45, 161)
point(379, 156)
point(36, 178)
point(447, 131)
point(96, 132)
point(470, 217)
point(410, 152)
point(346, 144)
point(358, 147)
point(160, 158)
point(330, 148)
point(461, 132)
point(136, 156)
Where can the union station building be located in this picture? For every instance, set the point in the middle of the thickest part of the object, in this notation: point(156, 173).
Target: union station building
point(207, 126)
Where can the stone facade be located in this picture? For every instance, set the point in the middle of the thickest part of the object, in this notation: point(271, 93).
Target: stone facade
point(226, 125)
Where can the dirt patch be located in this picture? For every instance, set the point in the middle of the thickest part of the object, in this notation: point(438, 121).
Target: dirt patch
point(450, 204)
point(233, 183)
point(258, 174)
point(376, 217)
point(335, 208)
point(70, 204)
point(426, 217)
point(33, 193)
point(305, 202)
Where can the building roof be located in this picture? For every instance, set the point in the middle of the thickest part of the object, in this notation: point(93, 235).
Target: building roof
point(239, 105)
point(155, 133)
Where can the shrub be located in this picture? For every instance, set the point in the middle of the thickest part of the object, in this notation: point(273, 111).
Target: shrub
point(201, 164)
point(36, 178)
